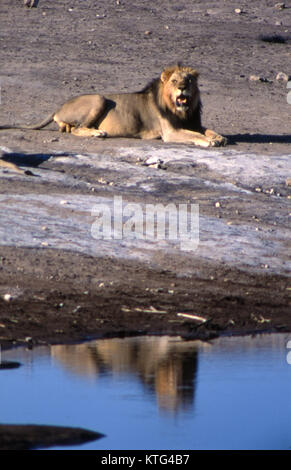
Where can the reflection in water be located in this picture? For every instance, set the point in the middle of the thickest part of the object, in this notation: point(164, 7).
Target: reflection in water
point(241, 391)
point(165, 365)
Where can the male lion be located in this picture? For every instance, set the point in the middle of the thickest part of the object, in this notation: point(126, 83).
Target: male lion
point(168, 108)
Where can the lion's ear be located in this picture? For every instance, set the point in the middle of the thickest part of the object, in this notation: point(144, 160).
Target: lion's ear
point(194, 73)
point(166, 73)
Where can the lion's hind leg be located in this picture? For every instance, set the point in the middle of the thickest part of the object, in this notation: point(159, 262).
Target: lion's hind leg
point(80, 115)
point(63, 126)
point(82, 131)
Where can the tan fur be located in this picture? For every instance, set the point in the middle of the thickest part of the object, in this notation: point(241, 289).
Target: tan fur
point(168, 108)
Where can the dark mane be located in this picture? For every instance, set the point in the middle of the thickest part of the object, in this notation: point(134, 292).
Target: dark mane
point(193, 119)
point(191, 122)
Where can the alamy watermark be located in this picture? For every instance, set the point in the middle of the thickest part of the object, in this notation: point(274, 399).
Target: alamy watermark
point(152, 222)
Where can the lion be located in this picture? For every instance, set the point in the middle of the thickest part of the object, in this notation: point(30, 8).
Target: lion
point(168, 108)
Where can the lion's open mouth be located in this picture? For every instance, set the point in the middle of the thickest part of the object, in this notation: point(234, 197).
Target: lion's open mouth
point(182, 101)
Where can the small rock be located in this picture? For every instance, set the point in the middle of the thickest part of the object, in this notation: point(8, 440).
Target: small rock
point(280, 6)
point(288, 181)
point(258, 78)
point(102, 181)
point(217, 204)
point(238, 11)
point(7, 297)
point(154, 162)
point(254, 78)
point(31, 3)
point(148, 33)
point(282, 77)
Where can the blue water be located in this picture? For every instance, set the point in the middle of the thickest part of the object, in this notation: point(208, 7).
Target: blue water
point(157, 392)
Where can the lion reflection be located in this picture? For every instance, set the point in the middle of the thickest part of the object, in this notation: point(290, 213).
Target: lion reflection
point(165, 365)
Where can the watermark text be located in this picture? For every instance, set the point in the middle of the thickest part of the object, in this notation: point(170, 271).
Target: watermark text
point(172, 222)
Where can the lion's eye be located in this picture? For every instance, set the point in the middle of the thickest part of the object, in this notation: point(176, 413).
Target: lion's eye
point(174, 81)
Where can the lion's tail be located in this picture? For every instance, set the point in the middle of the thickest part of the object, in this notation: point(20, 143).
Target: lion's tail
point(40, 125)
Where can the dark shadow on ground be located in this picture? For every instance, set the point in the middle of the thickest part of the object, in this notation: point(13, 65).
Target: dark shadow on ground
point(259, 138)
point(30, 159)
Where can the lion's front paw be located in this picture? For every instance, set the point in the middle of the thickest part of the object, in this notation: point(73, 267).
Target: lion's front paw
point(218, 141)
point(99, 133)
